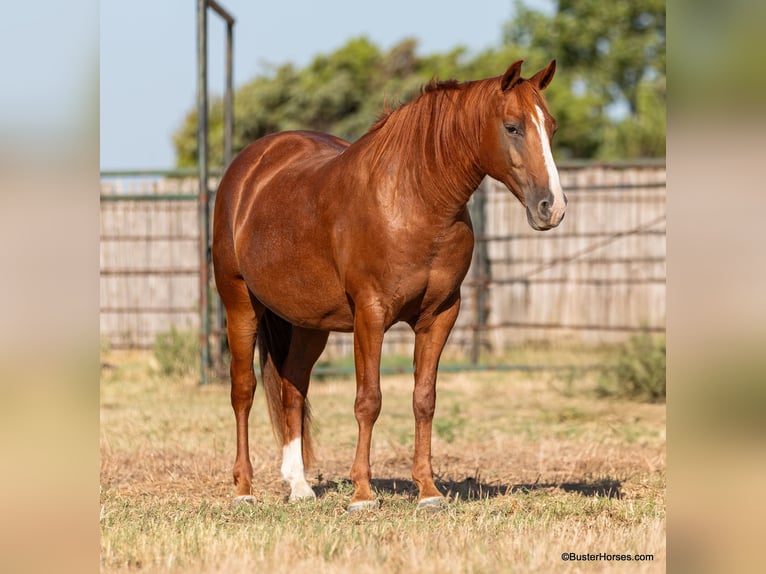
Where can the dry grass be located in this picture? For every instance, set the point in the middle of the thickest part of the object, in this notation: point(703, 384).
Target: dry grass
point(534, 468)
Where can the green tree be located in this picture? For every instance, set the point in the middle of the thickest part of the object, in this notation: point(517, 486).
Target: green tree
point(608, 96)
point(611, 74)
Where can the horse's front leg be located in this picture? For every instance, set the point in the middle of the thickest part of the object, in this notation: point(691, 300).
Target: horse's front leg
point(429, 342)
point(369, 327)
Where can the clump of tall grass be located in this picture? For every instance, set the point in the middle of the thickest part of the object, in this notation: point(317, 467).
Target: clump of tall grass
point(637, 372)
point(177, 352)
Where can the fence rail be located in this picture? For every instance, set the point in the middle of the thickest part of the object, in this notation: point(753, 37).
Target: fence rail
point(599, 276)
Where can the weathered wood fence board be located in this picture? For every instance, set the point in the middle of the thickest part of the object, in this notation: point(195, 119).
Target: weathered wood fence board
point(599, 276)
point(149, 261)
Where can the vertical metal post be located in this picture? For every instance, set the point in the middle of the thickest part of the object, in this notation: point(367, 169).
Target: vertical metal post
point(204, 203)
point(480, 270)
point(228, 98)
point(204, 192)
point(228, 136)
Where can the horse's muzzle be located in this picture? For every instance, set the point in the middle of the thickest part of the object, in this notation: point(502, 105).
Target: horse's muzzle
point(547, 214)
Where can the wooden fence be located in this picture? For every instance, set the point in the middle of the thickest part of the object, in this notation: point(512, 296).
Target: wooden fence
point(149, 259)
point(599, 276)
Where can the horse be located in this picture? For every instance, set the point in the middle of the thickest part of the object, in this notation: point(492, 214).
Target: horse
point(313, 234)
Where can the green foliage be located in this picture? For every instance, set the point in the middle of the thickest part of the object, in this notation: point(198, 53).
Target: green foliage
point(643, 133)
point(104, 347)
point(177, 352)
point(609, 92)
point(608, 96)
point(449, 426)
point(638, 372)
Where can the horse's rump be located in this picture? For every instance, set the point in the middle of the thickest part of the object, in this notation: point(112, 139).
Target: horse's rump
point(268, 217)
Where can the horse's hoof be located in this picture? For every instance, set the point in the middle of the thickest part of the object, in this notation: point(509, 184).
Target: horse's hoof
point(246, 499)
point(432, 503)
point(300, 494)
point(363, 505)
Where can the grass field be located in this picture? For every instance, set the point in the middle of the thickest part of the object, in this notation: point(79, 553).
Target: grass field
point(535, 465)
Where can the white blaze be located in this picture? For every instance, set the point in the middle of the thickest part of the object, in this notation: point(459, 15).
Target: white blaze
point(557, 209)
point(292, 470)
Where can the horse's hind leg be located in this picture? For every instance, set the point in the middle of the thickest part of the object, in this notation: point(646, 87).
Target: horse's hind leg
point(305, 347)
point(242, 326)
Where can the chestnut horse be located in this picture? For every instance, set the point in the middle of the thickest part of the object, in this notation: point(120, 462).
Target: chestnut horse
point(314, 234)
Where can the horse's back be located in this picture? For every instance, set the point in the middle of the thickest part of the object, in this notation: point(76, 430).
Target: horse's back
point(284, 151)
point(268, 164)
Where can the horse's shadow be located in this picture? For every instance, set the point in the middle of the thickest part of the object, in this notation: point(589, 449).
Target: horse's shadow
point(472, 489)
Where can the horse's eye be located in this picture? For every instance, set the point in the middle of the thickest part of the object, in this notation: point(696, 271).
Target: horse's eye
point(513, 129)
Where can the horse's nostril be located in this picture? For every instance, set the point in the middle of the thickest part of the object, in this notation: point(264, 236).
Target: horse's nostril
point(544, 208)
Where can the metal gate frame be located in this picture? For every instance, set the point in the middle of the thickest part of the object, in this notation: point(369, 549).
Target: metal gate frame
point(202, 163)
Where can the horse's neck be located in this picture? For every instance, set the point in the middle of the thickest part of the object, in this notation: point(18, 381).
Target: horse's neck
point(434, 160)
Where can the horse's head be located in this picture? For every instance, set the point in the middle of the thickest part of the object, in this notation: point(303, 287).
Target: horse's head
point(516, 145)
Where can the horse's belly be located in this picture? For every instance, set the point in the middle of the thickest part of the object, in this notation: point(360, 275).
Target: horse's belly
point(313, 300)
point(311, 309)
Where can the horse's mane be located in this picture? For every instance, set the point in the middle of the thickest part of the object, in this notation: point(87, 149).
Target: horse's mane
point(439, 129)
point(435, 85)
point(432, 86)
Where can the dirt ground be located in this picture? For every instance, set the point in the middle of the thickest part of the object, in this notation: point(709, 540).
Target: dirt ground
point(513, 445)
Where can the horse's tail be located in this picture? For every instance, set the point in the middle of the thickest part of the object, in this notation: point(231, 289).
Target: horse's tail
point(274, 334)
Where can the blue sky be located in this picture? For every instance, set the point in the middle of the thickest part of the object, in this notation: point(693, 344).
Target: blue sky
point(148, 54)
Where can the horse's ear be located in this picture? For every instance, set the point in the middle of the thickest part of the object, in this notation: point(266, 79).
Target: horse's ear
point(512, 75)
point(542, 78)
